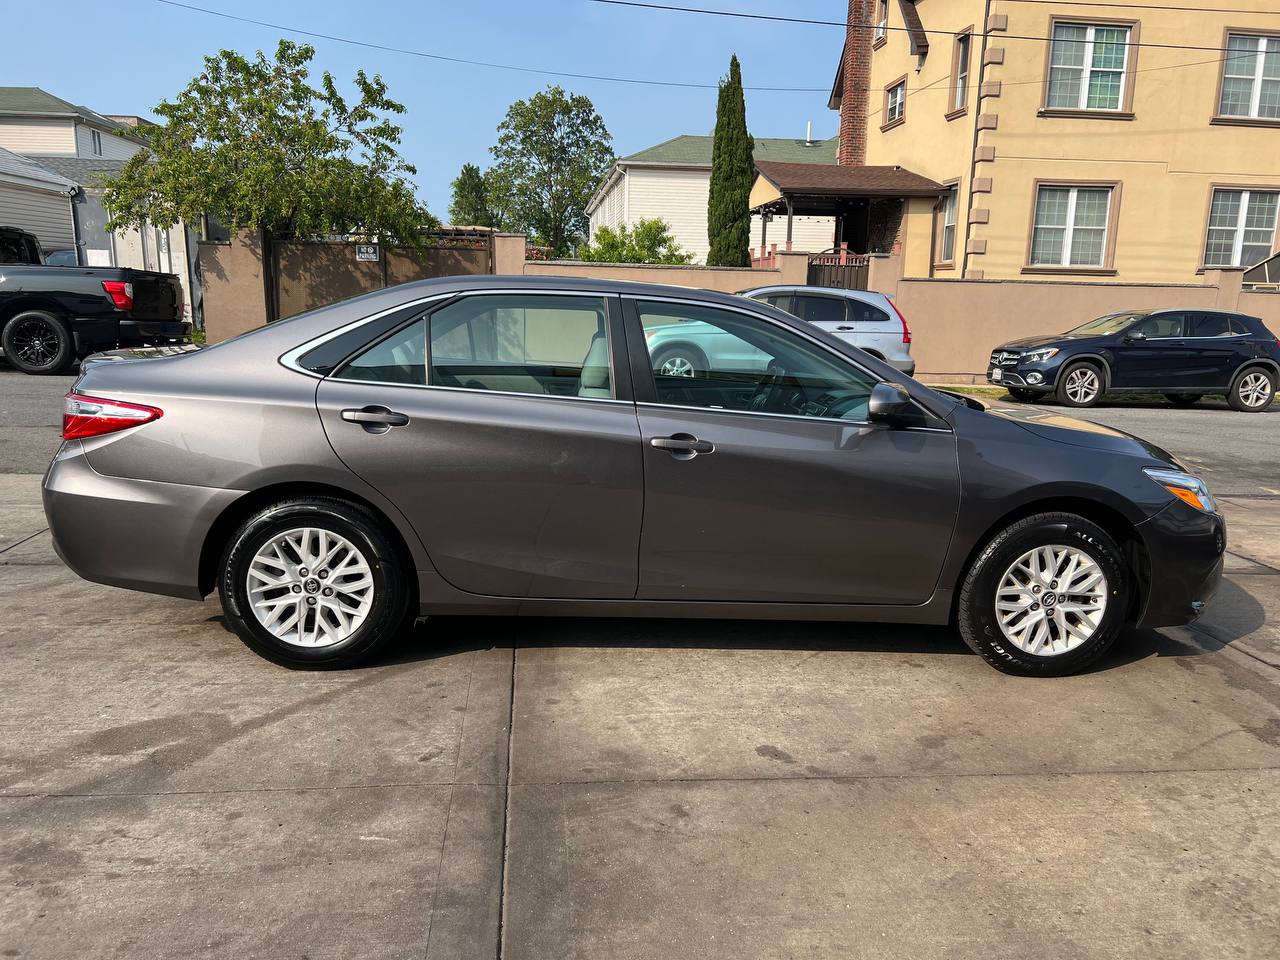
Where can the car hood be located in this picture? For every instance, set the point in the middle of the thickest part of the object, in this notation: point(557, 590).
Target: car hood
point(1054, 340)
point(1080, 433)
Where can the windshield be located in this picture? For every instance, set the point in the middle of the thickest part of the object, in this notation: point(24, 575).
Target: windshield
point(1111, 323)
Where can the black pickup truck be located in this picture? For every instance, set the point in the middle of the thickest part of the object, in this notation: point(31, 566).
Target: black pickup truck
point(52, 316)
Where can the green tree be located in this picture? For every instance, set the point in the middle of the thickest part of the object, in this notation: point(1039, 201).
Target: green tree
point(252, 141)
point(470, 205)
point(649, 241)
point(552, 151)
point(732, 174)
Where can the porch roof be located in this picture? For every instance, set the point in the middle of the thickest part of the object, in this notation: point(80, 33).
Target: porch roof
point(824, 187)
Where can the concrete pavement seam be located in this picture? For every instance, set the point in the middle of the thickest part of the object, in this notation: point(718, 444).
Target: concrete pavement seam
point(506, 802)
point(24, 540)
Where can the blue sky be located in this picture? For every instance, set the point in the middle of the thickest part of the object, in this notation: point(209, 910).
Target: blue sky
point(124, 56)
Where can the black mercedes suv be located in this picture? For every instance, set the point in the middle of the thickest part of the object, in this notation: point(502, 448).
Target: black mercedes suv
point(1184, 354)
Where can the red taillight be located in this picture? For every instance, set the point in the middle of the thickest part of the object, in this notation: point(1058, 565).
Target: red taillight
point(84, 417)
point(906, 330)
point(121, 293)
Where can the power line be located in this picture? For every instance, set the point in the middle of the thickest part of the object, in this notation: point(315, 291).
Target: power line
point(475, 63)
point(670, 7)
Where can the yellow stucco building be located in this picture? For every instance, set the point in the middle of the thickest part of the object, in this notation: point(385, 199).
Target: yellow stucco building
point(1120, 141)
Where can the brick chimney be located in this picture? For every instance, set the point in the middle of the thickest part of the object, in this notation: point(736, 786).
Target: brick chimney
point(855, 90)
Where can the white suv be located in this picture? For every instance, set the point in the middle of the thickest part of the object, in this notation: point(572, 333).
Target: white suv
point(868, 320)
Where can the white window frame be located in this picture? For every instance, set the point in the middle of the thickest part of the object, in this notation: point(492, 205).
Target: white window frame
point(950, 209)
point(1242, 216)
point(882, 25)
point(95, 142)
point(1255, 92)
point(900, 102)
point(1068, 235)
point(1086, 68)
point(961, 93)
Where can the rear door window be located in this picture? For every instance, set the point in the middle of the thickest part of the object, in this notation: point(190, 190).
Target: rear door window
point(1206, 325)
point(861, 312)
point(817, 309)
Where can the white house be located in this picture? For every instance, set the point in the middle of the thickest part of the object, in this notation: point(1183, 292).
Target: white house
point(78, 146)
point(37, 200)
point(672, 181)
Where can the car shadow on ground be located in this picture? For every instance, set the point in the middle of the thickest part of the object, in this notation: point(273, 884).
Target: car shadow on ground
point(437, 637)
point(1217, 404)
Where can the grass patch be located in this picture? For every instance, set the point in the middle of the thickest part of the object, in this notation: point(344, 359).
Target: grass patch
point(972, 390)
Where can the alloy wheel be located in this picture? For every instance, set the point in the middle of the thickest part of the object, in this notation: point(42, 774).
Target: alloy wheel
point(1051, 600)
point(1254, 390)
point(676, 367)
point(1082, 384)
point(34, 342)
point(310, 587)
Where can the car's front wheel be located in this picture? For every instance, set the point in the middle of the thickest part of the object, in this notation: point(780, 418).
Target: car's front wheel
point(1046, 597)
point(1253, 390)
point(1080, 385)
point(314, 582)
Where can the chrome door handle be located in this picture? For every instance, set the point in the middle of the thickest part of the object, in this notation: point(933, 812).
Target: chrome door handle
point(683, 446)
point(375, 419)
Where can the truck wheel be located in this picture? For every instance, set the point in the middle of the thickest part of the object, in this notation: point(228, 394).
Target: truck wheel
point(37, 342)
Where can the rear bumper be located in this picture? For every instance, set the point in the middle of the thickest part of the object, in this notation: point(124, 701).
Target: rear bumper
point(137, 534)
point(1185, 549)
point(103, 333)
point(907, 365)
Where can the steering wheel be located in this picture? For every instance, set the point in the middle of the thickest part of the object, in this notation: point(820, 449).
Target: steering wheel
point(769, 390)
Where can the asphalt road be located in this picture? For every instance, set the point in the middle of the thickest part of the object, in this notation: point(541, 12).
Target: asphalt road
point(633, 789)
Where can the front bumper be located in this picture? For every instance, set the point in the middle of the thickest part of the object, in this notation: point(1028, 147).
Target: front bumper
point(94, 334)
point(138, 534)
point(1185, 549)
point(1002, 376)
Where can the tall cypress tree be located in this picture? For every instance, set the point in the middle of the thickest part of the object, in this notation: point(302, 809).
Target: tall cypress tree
point(732, 174)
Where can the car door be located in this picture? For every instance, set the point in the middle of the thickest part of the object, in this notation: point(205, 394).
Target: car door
point(1153, 353)
point(1215, 350)
point(774, 486)
point(498, 426)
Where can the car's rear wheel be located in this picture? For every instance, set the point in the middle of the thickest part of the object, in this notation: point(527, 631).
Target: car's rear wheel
point(1253, 390)
point(314, 582)
point(1046, 597)
point(1080, 385)
point(1023, 394)
point(1182, 399)
point(37, 342)
point(680, 361)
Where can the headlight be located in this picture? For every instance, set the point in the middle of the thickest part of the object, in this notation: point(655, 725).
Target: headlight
point(1187, 488)
point(1040, 356)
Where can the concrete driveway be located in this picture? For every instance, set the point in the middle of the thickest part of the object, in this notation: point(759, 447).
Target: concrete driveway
point(616, 789)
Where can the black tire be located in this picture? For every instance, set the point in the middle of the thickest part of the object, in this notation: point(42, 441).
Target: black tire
point(695, 358)
point(390, 606)
point(1243, 390)
point(37, 342)
point(1182, 399)
point(976, 614)
point(1023, 394)
point(1065, 378)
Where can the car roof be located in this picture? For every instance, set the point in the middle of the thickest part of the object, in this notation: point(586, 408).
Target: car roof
point(802, 287)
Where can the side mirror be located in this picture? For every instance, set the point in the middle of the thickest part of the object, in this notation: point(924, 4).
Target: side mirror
point(1135, 336)
point(889, 404)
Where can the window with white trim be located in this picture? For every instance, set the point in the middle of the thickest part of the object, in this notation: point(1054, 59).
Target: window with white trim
point(882, 21)
point(1087, 66)
point(895, 104)
point(961, 84)
point(1071, 226)
point(1242, 227)
point(947, 226)
point(1251, 78)
point(95, 138)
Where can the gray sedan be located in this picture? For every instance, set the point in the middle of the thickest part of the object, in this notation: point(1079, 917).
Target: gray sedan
point(515, 446)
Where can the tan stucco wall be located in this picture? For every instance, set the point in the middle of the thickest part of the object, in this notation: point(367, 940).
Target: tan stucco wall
point(1166, 159)
point(231, 277)
point(792, 269)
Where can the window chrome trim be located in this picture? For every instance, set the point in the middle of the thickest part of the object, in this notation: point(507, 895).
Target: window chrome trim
point(289, 359)
point(491, 393)
point(788, 416)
